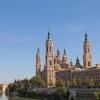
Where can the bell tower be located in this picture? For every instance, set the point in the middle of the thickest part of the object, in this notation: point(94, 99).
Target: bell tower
point(87, 56)
point(38, 62)
point(64, 58)
point(49, 62)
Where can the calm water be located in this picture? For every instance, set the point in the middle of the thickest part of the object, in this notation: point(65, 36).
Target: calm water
point(5, 97)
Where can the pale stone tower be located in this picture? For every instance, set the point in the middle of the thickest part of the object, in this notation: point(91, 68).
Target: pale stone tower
point(59, 56)
point(50, 80)
point(64, 58)
point(87, 57)
point(38, 62)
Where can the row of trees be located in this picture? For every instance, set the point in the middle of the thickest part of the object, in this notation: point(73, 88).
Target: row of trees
point(28, 88)
point(78, 83)
point(87, 83)
point(26, 85)
point(36, 82)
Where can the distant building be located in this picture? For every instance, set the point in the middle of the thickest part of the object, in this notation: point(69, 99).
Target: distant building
point(5, 87)
point(57, 66)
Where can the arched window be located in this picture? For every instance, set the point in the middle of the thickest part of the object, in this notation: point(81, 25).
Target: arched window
point(50, 63)
point(89, 63)
point(50, 76)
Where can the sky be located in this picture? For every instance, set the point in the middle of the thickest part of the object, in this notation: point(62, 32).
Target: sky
point(24, 25)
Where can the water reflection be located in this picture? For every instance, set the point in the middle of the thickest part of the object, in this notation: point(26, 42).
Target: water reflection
point(5, 97)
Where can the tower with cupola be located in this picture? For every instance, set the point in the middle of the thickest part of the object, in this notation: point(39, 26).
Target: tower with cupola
point(87, 56)
point(64, 58)
point(59, 56)
point(38, 62)
point(50, 75)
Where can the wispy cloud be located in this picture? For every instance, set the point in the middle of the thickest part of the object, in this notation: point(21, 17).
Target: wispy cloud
point(14, 38)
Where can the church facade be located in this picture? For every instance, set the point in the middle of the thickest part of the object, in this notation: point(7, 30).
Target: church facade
point(57, 66)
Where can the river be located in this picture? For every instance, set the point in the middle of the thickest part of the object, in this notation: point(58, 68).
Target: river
point(5, 97)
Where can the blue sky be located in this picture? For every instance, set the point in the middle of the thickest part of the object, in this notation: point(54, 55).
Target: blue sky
point(24, 25)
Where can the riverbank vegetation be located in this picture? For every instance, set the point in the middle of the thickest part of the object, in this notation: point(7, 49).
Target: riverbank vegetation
point(36, 88)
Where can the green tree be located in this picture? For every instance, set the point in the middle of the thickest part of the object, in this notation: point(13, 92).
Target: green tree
point(74, 83)
point(79, 82)
point(97, 95)
point(61, 93)
point(37, 82)
point(98, 84)
point(91, 83)
point(60, 83)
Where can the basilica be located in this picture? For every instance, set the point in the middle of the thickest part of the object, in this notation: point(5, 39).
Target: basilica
point(57, 66)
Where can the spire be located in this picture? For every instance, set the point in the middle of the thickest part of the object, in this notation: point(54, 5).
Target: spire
point(87, 56)
point(64, 58)
point(49, 36)
point(86, 38)
point(65, 52)
point(77, 60)
point(38, 51)
point(38, 62)
point(49, 40)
